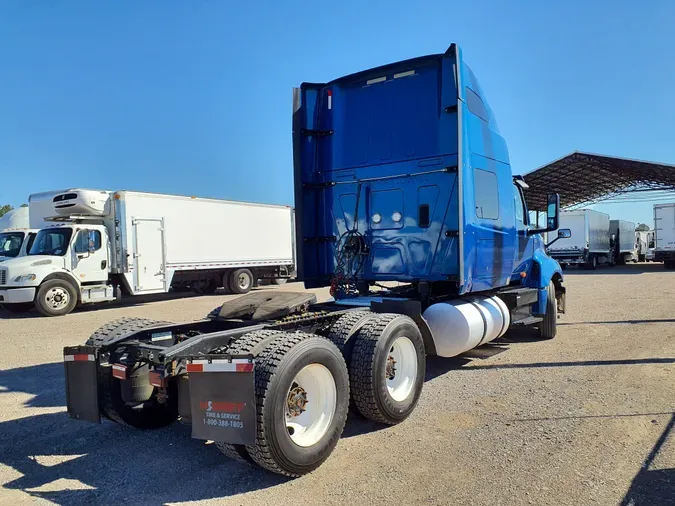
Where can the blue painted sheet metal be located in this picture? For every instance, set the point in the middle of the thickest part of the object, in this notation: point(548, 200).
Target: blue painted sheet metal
point(380, 150)
point(380, 145)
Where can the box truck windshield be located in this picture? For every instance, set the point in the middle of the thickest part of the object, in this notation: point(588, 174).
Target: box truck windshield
point(51, 242)
point(10, 244)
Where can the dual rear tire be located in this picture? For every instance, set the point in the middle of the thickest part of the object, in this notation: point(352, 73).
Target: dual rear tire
point(303, 386)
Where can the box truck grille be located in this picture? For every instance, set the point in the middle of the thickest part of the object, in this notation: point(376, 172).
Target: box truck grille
point(3, 276)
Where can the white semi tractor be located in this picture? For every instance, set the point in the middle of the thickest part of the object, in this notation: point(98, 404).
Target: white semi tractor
point(103, 245)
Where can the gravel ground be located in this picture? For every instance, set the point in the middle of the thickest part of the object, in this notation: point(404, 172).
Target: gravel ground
point(586, 418)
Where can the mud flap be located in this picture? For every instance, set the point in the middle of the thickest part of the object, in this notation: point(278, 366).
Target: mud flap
point(81, 365)
point(222, 400)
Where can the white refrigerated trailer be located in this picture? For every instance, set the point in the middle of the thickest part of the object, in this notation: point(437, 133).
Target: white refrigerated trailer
point(103, 245)
point(589, 244)
point(664, 231)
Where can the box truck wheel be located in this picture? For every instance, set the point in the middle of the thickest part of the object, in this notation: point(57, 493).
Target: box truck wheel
point(386, 369)
point(241, 281)
point(244, 345)
point(19, 308)
point(592, 263)
point(549, 325)
point(302, 390)
point(56, 297)
point(148, 411)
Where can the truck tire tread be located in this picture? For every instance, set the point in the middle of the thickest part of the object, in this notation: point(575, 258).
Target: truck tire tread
point(364, 391)
point(243, 345)
point(548, 327)
point(345, 328)
point(267, 365)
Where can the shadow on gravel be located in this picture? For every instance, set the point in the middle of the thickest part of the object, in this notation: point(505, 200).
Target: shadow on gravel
point(620, 322)
point(45, 382)
point(580, 363)
point(653, 486)
point(69, 462)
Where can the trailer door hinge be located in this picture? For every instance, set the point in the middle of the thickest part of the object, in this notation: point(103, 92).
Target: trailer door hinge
point(452, 169)
point(452, 233)
point(316, 133)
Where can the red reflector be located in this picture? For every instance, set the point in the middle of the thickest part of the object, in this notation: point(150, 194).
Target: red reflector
point(195, 368)
point(156, 379)
point(84, 357)
point(119, 371)
point(329, 93)
point(244, 367)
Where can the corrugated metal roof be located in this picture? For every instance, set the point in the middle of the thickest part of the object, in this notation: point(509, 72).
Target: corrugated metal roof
point(585, 178)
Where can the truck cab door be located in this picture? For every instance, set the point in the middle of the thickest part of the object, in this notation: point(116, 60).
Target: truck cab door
point(525, 246)
point(89, 253)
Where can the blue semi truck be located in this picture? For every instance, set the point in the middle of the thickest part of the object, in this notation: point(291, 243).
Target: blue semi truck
point(401, 176)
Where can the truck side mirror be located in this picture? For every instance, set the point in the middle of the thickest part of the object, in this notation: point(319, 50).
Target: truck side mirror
point(563, 233)
point(552, 211)
point(552, 216)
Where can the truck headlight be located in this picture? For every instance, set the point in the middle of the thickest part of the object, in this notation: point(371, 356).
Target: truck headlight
point(25, 277)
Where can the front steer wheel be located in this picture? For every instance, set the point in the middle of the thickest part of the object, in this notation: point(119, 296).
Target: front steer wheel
point(302, 400)
point(548, 327)
point(56, 297)
point(149, 410)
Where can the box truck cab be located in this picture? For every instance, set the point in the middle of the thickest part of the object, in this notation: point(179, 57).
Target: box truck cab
point(15, 242)
point(16, 236)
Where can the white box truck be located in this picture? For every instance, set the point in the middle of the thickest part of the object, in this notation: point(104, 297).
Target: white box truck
point(103, 245)
point(589, 244)
point(664, 231)
point(622, 234)
point(16, 236)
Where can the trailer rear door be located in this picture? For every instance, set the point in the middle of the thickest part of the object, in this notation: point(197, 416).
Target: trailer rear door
point(149, 254)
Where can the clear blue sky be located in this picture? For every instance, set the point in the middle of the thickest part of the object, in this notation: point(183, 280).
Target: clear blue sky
point(194, 97)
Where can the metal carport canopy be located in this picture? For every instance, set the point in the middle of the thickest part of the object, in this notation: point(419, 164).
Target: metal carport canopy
point(586, 178)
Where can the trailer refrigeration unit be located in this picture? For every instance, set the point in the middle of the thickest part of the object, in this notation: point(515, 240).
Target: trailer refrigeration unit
point(623, 241)
point(589, 244)
point(400, 175)
point(102, 245)
point(664, 231)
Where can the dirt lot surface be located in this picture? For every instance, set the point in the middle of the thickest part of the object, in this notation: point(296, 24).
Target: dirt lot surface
point(586, 418)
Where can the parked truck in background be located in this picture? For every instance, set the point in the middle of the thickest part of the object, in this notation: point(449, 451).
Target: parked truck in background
point(622, 234)
point(589, 244)
point(16, 236)
point(642, 240)
point(664, 231)
point(400, 175)
point(651, 237)
point(102, 245)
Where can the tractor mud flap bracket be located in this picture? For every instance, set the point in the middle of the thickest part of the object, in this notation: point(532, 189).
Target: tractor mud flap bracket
point(81, 365)
point(222, 399)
